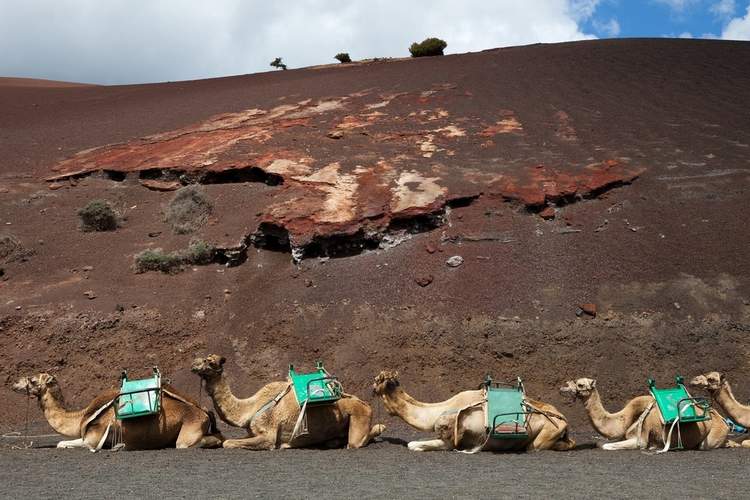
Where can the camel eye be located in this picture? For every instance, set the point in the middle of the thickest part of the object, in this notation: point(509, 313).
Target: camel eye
point(580, 385)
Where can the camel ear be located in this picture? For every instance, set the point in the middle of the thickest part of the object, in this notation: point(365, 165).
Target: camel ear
point(721, 378)
point(593, 383)
point(222, 360)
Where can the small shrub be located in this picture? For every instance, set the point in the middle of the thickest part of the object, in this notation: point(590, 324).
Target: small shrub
point(188, 210)
point(276, 63)
point(343, 57)
point(428, 47)
point(157, 260)
point(198, 252)
point(98, 215)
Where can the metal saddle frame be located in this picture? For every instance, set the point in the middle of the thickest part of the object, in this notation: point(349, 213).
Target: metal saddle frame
point(507, 411)
point(677, 406)
point(317, 388)
point(138, 398)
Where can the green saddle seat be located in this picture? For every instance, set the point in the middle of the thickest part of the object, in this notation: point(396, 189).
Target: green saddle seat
point(506, 411)
point(315, 388)
point(674, 402)
point(140, 397)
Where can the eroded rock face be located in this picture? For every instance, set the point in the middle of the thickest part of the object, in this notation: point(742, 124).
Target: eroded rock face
point(398, 157)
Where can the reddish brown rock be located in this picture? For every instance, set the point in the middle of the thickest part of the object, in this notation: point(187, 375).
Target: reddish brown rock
point(547, 213)
point(424, 281)
point(589, 309)
point(157, 185)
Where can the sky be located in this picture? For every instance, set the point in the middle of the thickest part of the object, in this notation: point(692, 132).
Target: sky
point(137, 41)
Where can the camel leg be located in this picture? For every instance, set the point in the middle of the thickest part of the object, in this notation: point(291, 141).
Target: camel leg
point(251, 443)
point(189, 437)
point(565, 443)
point(360, 422)
point(73, 443)
point(628, 444)
point(745, 443)
point(430, 445)
point(547, 438)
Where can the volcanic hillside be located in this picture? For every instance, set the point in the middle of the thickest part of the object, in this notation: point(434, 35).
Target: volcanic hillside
point(606, 175)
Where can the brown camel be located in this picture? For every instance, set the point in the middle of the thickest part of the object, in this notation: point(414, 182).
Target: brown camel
point(270, 415)
point(460, 422)
point(639, 424)
point(181, 422)
point(609, 425)
point(718, 387)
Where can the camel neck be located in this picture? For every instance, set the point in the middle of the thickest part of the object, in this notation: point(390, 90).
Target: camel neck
point(607, 424)
point(736, 411)
point(67, 423)
point(419, 415)
point(231, 410)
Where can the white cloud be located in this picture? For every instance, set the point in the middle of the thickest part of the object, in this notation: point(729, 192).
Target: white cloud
point(738, 28)
point(610, 28)
point(677, 5)
point(685, 34)
point(723, 8)
point(118, 41)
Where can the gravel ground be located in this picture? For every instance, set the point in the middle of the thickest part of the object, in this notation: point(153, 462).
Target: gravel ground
point(383, 470)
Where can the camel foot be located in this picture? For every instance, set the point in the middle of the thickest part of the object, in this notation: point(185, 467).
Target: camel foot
point(73, 443)
point(429, 445)
point(628, 444)
point(745, 443)
point(565, 444)
point(376, 431)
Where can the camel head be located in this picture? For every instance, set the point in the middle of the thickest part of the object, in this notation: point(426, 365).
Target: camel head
point(208, 367)
point(385, 382)
point(35, 385)
point(711, 381)
point(581, 388)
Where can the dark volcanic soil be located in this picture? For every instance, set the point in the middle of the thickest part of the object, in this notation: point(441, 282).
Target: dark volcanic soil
point(661, 249)
point(385, 469)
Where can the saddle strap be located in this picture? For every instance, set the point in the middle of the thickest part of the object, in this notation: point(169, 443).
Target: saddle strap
point(270, 404)
point(549, 414)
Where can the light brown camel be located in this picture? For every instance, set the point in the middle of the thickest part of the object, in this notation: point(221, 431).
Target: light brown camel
point(640, 423)
point(460, 421)
point(270, 415)
point(718, 387)
point(609, 425)
point(181, 422)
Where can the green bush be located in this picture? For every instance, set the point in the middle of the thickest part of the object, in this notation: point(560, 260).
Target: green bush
point(157, 260)
point(188, 210)
point(197, 253)
point(343, 57)
point(98, 215)
point(428, 47)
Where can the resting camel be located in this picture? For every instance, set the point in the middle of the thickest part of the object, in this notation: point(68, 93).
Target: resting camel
point(181, 422)
point(718, 387)
point(640, 424)
point(609, 425)
point(270, 415)
point(460, 421)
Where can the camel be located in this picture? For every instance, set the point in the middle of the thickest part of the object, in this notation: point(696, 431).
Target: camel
point(638, 425)
point(181, 423)
point(460, 421)
point(718, 387)
point(270, 416)
point(609, 425)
